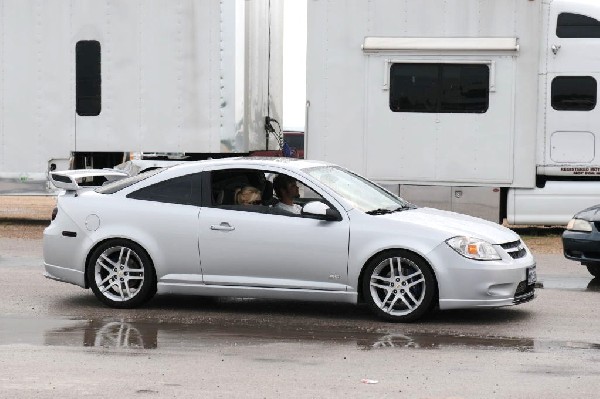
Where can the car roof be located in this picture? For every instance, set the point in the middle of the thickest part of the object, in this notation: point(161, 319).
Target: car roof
point(240, 162)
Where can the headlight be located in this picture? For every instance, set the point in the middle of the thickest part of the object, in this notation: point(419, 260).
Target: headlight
point(473, 248)
point(579, 225)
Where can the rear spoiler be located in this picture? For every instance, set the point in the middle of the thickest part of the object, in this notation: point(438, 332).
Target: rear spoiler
point(79, 179)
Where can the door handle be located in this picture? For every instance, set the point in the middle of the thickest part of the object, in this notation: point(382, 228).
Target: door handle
point(224, 226)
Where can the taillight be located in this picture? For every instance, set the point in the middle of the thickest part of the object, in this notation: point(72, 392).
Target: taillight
point(54, 213)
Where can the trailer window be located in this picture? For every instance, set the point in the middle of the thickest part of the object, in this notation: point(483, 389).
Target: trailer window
point(439, 88)
point(571, 26)
point(88, 81)
point(574, 93)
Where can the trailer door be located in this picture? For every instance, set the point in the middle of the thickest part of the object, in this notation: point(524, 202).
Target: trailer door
point(440, 119)
point(571, 119)
point(572, 114)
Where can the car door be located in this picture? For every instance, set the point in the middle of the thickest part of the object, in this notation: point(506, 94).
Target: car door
point(166, 214)
point(258, 248)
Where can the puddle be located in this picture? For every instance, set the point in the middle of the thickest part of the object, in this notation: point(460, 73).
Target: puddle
point(569, 283)
point(128, 335)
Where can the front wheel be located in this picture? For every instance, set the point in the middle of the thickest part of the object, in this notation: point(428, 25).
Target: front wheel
point(399, 286)
point(121, 274)
point(594, 270)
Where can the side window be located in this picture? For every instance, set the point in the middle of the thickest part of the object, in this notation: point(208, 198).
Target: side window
point(226, 187)
point(574, 93)
point(572, 26)
point(184, 190)
point(260, 191)
point(439, 88)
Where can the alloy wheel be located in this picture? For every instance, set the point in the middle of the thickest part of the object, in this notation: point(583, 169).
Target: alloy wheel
point(397, 286)
point(119, 273)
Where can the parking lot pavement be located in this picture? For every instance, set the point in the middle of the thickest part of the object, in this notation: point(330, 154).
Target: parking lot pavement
point(58, 340)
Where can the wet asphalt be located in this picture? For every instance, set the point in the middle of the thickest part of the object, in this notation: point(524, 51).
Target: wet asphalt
point(57, 340)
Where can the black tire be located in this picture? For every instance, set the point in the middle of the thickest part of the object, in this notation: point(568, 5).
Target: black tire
point(425, 292)
point(141, 279)
point(594, 270)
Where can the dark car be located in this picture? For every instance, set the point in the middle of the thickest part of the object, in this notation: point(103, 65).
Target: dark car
point(581, 240)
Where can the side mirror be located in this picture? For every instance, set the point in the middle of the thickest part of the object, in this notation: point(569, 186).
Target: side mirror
point(319, 210)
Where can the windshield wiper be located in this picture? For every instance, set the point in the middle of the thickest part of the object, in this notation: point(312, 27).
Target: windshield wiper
point(384, 211)
point(380, 211)
point(404, 208)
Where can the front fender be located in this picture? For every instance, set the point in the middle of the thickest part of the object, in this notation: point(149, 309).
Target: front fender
point(371, 237)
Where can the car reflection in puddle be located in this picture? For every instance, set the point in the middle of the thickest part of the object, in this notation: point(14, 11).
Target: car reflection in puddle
point(111, 334)
point(125, 335)
point(430, 341)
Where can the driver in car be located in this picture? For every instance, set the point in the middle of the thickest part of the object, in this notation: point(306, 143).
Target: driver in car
point(286, 190)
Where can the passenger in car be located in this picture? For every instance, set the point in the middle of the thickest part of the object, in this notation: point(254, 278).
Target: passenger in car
point(248, 195)
point(286, 190)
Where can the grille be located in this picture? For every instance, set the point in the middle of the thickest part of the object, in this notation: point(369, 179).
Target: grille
point(511, 245)
point(515, 249)
point(580, 255)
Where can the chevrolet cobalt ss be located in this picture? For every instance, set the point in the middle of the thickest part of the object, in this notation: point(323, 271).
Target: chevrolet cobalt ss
point(279, 228)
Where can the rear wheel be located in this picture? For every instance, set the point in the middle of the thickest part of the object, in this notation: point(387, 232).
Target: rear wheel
point(594, 270)
point(399, 286)
point(121, 274)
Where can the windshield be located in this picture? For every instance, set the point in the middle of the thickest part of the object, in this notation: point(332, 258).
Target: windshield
point(118, 185)
point(358, 191)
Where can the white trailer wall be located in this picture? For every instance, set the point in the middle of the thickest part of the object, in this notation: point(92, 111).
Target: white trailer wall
point(37, 112)
point(349, 119)
point(177, 76)
point(158, 92)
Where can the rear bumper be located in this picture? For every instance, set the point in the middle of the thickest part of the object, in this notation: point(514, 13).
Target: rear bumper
point(64, 275)
point(64, 257)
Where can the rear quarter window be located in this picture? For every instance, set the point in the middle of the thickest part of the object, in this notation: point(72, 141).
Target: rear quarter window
point(183, 190)
point(119, 185)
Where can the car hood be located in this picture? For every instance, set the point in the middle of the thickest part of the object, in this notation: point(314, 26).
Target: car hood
point(452, 224)
point(591, 214)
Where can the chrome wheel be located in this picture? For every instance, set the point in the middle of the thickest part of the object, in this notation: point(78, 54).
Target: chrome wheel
point(119, 273)
point(397, 286)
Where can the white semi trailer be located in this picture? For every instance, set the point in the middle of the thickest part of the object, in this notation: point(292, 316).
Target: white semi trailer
point(85, 83)
point(485, 107)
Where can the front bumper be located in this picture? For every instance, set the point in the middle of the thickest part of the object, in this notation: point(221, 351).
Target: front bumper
point(465, 283)
point(581, 246)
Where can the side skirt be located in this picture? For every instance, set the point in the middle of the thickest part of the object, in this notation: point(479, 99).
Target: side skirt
point(257, 292)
